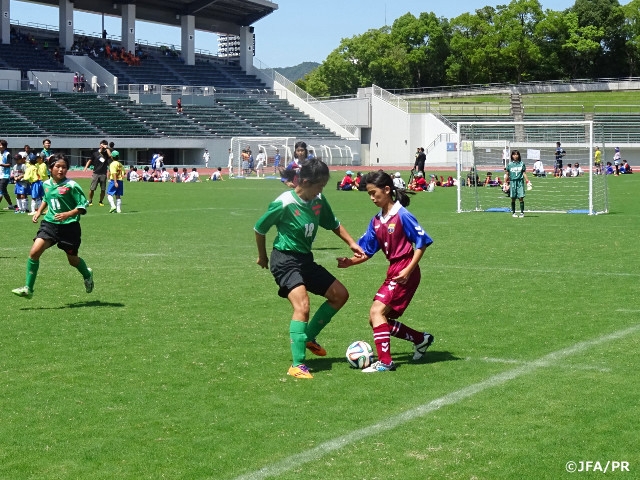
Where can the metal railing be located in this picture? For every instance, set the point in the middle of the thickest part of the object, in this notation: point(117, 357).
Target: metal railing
point(390, 98)
point(312, 101)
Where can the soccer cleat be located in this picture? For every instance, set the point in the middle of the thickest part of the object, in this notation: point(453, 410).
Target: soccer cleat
point(301, 371)
point(522, 215)
point(31, 214)
point(118, 211)
point(23, 292)
point(379, 367)
point(88, 282)
point(515, 215)
point(113, 210)
point(91, 204)
point(101, 204)
point(420, 348)
point(316, 348)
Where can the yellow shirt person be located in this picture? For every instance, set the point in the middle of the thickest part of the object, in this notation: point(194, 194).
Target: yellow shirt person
point(116, 183)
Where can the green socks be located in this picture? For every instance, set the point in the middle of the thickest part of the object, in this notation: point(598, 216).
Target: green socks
point(32, 273)
point(82, 268)
point(298, 341)
point(320, 320)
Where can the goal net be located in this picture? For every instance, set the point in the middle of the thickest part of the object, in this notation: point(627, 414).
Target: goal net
point(484, 149)
point(284, 146)
point(331, 154)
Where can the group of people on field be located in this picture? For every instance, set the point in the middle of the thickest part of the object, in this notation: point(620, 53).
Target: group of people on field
point(27, 171)
point(297, 215)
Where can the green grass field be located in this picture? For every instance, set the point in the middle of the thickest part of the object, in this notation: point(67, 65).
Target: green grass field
point(175, 366)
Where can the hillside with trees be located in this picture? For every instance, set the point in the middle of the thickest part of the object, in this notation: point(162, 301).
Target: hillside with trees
point(509, 43)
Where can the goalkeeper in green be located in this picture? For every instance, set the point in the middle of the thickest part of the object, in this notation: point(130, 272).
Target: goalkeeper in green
point(516, 178)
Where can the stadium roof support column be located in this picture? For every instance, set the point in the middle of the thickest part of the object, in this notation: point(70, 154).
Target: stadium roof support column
point(247, 44)
point(5, 23)
point(65, 24)
point(128, 13)
point(188, 38)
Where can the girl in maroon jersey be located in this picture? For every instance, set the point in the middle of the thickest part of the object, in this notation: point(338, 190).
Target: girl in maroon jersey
point(395, 231)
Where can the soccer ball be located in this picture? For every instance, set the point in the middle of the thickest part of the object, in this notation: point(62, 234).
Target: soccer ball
point(359, 354)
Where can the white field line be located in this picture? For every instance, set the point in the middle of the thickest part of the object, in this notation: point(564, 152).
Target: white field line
point(452, 398)
point(535, 271)
point(513, 361)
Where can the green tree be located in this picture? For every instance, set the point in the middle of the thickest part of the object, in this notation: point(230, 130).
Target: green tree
point(631, 32)
point(551, 34)
point(426, 46)
point(583, 45)
point(606, 14)
point(474, 49)
point(517, 23)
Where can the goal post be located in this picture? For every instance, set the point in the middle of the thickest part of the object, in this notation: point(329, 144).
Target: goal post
point(283, 145)
point(483, 145)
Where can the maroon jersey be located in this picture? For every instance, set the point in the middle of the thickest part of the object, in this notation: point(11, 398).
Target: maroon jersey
point(395, 234)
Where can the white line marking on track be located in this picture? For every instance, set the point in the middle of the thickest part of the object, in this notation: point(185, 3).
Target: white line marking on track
point(452, 398)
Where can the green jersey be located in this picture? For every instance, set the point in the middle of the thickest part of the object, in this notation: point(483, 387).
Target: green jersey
point(516, 171)
point(63, 197)
point(297, 221)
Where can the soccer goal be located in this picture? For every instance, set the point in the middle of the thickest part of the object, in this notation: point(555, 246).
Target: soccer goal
point(483, 147)
point(270, 145)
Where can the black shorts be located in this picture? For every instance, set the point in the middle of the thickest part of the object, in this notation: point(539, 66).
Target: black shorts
point(66, 236)
point(3, 186)
point(291, 269)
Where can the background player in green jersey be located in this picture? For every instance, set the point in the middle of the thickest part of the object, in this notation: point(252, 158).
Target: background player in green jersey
point(516, 178)
point(297, 214)
point(61, 225)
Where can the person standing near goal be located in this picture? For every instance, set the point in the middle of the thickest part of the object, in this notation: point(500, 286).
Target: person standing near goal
point(516, 178)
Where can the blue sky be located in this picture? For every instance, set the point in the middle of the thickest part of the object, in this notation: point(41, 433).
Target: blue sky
point(300, 30)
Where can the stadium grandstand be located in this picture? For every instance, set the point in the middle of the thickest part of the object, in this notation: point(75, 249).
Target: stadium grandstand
point(130, 91)
point(77, 89)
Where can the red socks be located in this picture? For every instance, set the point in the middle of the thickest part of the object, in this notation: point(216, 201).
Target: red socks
point(382, 339)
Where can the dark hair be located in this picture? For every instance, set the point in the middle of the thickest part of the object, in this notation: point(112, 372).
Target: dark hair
point(300, 144)
point(516, 152)
point(382, 179)
point(313, 171)
point(4, 143)
point(56, 158)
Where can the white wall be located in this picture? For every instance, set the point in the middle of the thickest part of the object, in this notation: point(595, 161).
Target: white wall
point(10, 80)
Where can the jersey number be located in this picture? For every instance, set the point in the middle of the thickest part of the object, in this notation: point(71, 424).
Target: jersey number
point(308, 229)
point(55, 204)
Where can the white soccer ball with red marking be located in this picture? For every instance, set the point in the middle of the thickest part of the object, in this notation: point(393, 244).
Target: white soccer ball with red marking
point(360, 354)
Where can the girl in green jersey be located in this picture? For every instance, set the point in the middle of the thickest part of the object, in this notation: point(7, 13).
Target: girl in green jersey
point(297, 214)
point(61, 225)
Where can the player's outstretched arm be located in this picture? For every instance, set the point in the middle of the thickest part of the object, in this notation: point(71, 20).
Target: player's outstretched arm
point(346, 238)
point(345, 262)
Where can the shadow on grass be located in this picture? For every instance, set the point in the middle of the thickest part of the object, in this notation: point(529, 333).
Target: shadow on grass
point(89, 304)
point(319, 364)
